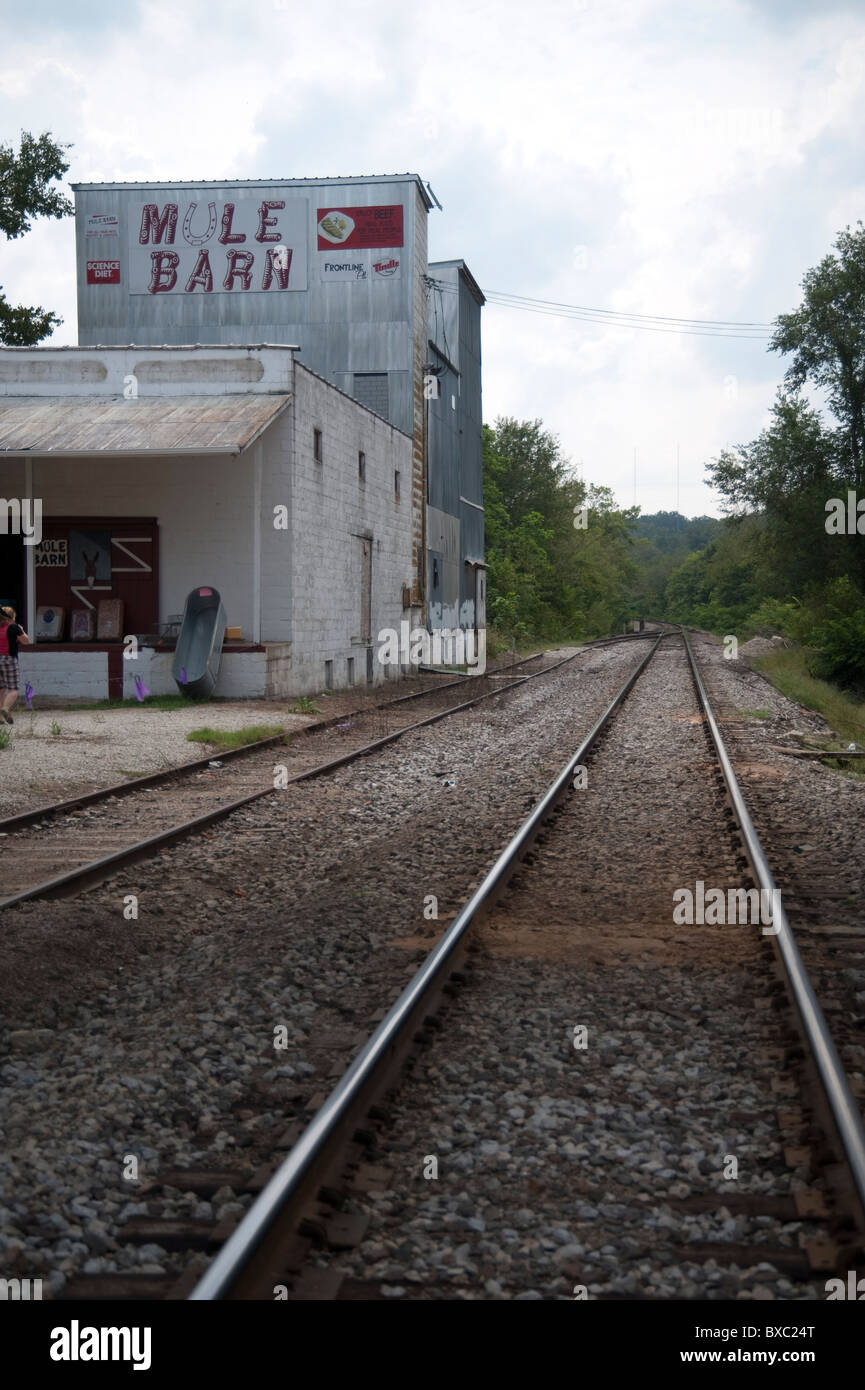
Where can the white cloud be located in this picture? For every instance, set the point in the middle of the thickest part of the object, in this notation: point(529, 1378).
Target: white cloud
point(681, 146)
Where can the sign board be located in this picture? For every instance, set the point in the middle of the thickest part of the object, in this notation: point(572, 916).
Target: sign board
point(52, 554)
point(356, 228)
point(192, 243)
point(103, 224)
point(363, 267)
point(103, 272)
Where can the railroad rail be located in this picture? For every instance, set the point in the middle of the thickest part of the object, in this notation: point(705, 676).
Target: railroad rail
point(204, 786)
point(255, 1256)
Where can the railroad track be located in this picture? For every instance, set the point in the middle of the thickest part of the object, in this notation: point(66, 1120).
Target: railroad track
point(63, 848)
point(775, 1086)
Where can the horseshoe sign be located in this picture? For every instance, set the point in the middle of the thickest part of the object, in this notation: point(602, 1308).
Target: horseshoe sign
point(188, 235)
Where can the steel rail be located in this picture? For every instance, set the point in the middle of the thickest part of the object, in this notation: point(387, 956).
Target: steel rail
point(22, 819)
point(842, 1106)
point(273, 1214)
point(97, 870)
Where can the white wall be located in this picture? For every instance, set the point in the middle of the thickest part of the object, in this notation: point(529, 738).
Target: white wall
point(330, 510)
point(203, 506)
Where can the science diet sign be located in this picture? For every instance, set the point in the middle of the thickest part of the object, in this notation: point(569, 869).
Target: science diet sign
point(199, 243)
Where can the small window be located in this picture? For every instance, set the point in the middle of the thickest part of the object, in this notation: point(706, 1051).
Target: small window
point(361, 465)
point(350, 670)
point(317, 446)
point(328, 675)
point(396, 482)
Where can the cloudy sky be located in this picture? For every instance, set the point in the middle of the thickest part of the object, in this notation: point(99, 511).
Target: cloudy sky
point(680, 160)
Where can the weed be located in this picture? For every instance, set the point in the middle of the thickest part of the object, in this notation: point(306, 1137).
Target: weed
point(304, 706)
point(787, 668)
point(234, 738)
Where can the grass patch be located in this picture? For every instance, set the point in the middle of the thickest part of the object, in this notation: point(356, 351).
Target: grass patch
point(787, 669)
point(5, 736)
point(756, 713)
point(234, 738)
point(151, 702)
point(304, 706)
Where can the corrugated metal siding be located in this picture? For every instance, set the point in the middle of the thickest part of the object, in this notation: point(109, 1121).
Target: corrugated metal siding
point(342, 327)
point(455, 482)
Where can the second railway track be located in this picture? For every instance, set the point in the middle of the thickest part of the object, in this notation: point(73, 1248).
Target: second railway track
point(64, 848)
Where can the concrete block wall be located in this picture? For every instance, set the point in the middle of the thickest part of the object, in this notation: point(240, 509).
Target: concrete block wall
point(332, 509)
point(64, 675)
point(241, 675)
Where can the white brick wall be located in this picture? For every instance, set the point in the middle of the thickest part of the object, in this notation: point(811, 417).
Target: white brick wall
point(330, 510)
point(241, 674)
point(215, 514)
point(64, 675)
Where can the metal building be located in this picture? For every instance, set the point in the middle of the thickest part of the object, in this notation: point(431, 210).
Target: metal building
point(338, 266)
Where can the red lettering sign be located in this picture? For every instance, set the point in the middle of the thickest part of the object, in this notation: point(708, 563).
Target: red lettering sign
point(354, 228)
point(103, 272)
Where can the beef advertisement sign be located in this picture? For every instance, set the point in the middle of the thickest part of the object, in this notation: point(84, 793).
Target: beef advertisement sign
point(191, 242)
point(356, 228)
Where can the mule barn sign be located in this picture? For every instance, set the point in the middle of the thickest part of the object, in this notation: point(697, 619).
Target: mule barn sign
point(197, 245)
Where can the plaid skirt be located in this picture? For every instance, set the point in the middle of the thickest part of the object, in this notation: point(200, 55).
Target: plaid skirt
point(8, 673)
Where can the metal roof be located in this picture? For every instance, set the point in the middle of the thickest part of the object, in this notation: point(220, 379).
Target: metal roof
point(79, 425)
point(312, 182)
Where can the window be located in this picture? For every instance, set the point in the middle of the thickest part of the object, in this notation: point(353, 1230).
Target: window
point(350, 670)
point(396, 482)
point(328, 675)
point(361, 465)
point(371, 389)
point(317, 446)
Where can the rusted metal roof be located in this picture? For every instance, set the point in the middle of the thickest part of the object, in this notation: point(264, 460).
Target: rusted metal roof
point(65, 425)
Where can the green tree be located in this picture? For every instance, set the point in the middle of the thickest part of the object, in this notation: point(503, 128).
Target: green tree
point(26, 193)
point(826, 337)
point(548, 577)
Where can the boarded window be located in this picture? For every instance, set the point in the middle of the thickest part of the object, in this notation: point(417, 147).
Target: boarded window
point(370, 388)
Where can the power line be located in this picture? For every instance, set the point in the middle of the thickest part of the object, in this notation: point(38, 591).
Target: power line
point(614, 318)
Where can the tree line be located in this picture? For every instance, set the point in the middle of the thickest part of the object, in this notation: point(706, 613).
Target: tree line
point(788, 556)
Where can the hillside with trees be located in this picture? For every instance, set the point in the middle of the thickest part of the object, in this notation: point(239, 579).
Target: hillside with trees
point(791, 555)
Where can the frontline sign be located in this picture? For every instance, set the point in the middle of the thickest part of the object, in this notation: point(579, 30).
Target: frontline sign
point(193, 243)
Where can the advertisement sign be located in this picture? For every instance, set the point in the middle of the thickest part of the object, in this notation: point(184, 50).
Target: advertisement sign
point(103, 272)
point(192, 243)
point(386, 268)
point(102, 224)
point(344, 268)
point(356, 228)
point(379, 266)
point(51, 554)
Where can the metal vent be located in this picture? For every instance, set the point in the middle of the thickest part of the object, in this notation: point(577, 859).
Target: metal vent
point(370, 388)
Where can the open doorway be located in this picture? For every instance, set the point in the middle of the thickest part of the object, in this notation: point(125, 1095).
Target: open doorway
point(13, 583)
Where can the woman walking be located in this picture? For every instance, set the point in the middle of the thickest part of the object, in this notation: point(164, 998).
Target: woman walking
point(11, 633)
